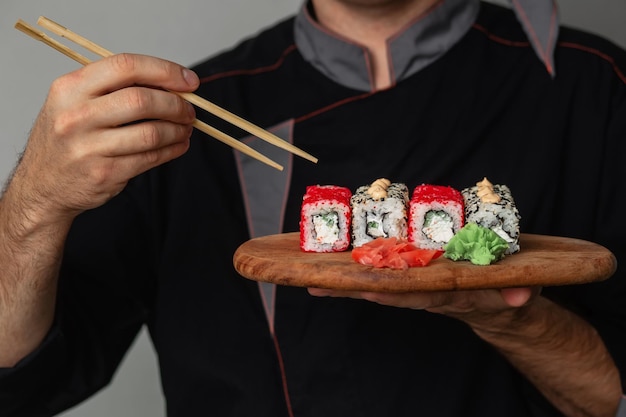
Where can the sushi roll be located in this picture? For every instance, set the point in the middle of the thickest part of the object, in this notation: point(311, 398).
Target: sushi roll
point(325, 219)
point(492, 206)
point(379, 210)
point(436, 213)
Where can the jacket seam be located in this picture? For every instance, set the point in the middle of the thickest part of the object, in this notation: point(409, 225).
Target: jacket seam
point(562, 44)
point(251, 71)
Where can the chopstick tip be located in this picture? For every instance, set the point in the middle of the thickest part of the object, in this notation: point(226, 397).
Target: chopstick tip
point(44, 19)
point(22, 26)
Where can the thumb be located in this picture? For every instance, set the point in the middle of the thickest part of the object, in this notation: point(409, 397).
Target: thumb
point(517, 297)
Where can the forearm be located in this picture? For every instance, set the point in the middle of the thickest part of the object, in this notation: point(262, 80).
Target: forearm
point(561, 354)
point(30, 256)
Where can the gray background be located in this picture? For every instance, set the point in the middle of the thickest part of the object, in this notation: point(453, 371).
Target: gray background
point(184, 31)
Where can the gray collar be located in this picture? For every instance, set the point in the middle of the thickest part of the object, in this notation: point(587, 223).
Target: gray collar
point(540, 20)
point(419, 44)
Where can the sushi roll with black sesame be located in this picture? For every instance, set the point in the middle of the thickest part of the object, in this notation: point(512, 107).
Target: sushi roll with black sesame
point(325, 219)
point(436, 213)
point(379, 210)
point(492, 206)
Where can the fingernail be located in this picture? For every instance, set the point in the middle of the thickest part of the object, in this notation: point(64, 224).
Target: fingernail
point(190, 77)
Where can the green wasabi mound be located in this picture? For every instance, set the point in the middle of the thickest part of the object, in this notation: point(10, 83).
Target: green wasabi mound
point(477, 244)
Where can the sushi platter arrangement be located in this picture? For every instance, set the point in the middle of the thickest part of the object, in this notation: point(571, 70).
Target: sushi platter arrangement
point(379, 239)
point(332, 218)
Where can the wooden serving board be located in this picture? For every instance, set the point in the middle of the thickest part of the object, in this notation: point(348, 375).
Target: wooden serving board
point(542, 261)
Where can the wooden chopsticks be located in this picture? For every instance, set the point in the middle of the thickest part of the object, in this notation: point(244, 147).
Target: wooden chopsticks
point(190, 97)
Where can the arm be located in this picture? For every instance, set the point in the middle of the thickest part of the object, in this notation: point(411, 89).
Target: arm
point(30, 253)
point(561, 354)
point(85, 146)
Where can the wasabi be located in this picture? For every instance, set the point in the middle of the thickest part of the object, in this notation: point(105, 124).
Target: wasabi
point(477, 244)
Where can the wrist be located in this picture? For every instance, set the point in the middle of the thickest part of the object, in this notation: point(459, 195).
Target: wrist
point(24, 214)
point(528, 322)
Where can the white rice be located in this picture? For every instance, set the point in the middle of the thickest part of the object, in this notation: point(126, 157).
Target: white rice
point(321, 237)
point(438, 236)
point(385, 217)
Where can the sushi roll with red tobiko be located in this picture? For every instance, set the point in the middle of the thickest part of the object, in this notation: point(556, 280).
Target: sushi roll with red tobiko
point(325, 219)
point(436, 213)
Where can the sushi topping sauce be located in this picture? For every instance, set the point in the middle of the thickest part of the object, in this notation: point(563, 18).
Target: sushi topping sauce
point(438, 226)
point(378, 189)
point(486, 192)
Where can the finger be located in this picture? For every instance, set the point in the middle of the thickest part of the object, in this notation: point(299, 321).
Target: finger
point(140, 138)
point(517, 297)
point(141, 162)
point(123, 70)
point(418, 300)
point(132, 104)
point(323, 292)
point(120, 169)
point(414, 300)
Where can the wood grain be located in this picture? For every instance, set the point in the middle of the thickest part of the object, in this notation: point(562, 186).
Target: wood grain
point(542, 261)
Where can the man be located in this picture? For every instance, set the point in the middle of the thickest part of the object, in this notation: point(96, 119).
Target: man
point(413, 90)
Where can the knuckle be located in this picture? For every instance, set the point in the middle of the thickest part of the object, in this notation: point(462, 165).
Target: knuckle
point(67, 82)
point(67, 122)
point(103, 182)
point(58, 86)
point(77, 152)
point(169, 70)
point(151, 157)
point(123, 63)
point(138, 99)
point(64, 123)
point(100, 175)
point(150, 136)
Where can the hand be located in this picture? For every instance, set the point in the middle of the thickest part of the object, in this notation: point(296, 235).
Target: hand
point(99, 127)
point(477, 307)
point(560, 353)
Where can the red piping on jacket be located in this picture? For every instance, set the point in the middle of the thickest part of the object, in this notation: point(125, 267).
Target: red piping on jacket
point(599, 54)
point(480, 28)
point(251, 71)
point(281, 364)
point(570, 45)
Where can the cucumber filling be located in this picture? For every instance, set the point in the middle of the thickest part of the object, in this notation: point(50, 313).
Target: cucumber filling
point(438, 226)
point(503, 234)
point(375, 226)
point(326, 227)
